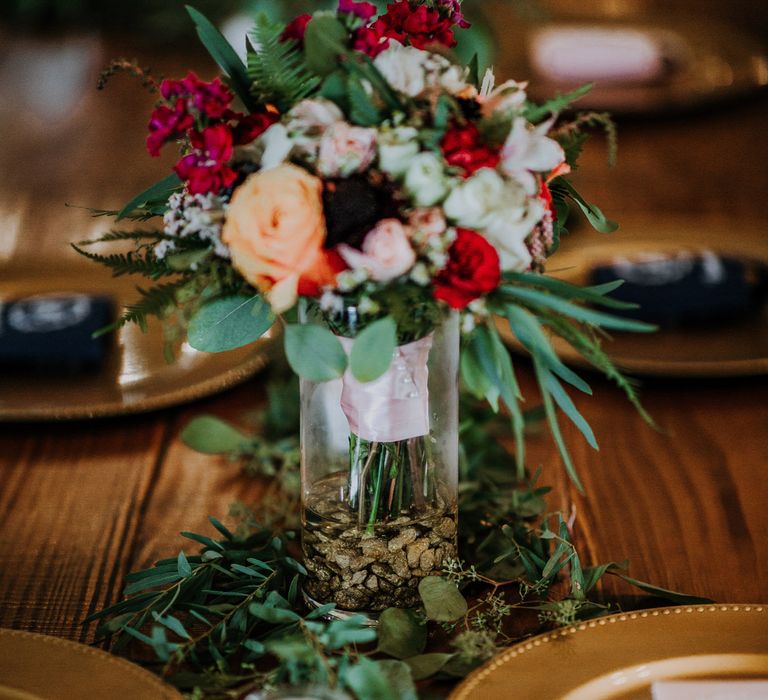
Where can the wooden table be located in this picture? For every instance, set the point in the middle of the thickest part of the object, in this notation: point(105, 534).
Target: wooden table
point(82, 504)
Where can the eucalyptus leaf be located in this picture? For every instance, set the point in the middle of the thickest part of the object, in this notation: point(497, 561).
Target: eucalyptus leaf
point(442, 600)
point(314, 353)
point(229, 323)
point(373, 349)
point(401, 633)
point(400, 679)
point(211, 435)
point(368, 681)
point(427, 665)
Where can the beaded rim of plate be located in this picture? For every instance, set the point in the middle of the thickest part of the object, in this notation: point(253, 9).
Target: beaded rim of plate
point(474, 679)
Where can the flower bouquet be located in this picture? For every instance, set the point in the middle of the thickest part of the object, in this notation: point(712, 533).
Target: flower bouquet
point(353, 182)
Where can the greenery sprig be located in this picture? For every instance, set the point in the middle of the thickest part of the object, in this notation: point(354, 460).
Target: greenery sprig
point(230, 617)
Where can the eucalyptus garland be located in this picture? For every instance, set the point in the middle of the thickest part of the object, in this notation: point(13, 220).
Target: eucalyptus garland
point(229, 617)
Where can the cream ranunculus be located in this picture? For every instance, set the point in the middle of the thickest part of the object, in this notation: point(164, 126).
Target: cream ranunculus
point(426, 181)
point(474, 201)
point(387, 252)
point(397, 148)
point(275, 230)
point(403, 68)
point(346, 149)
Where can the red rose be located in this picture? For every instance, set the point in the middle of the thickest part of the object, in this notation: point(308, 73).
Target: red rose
point(205, 169)
point(463, 148)
point(473, 269)
point(297, 28)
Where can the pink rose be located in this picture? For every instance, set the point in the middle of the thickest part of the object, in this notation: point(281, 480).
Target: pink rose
point(429, 222)
point(346, 149)
point(387, 252)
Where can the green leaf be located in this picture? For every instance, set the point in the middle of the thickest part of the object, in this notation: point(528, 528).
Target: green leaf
point(183, 566)
point(597, 294)
point(362, 111)
point(600, 319)
point(671, 596)
point(173, 624)
point(229, 323)
point(324, 41)
point(369, 682)
point(554, 427)
point(372, 350)
point(275, 616)
point(474, 71)
point(427, 665)
point(314, 353)
point(401, 633)
point(212, 436)
point(157, 193)
point(442, 600)
point(593, 213)
point(225, 56)
point(400, 680)
point(567, 406)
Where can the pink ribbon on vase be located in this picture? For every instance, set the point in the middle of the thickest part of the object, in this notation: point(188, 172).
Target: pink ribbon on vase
point(395, 406)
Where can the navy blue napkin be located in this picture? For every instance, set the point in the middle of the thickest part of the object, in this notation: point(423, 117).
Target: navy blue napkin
point(685, 288)
point(54, 331)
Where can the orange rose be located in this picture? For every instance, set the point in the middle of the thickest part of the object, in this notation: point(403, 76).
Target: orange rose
point(275, 230)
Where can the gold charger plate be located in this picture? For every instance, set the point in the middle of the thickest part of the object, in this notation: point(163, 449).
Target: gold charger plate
point(735, 348)
point(135, 376)
point(38, 667)
point(621, 656)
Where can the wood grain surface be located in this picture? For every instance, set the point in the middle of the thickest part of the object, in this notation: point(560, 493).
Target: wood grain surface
point(81, 504)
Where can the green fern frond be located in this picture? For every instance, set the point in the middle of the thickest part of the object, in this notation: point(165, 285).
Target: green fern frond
point(157, 301)
point(130, 263)
point(117, 235)
point(277, 70)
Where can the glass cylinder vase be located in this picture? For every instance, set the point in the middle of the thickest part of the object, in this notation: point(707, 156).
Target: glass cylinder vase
point(380, 476)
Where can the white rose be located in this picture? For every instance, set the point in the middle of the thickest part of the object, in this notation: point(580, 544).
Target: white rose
point(529, 150)
point(397, 148)
point(425, 181)
point(345, 149)
point(276, 145)
point(403, 68)
point(387, 253)
point(473, 202)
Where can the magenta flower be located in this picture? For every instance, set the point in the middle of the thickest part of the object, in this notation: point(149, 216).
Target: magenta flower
point(166, 125)
point(205, 169)
point(363, 10)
